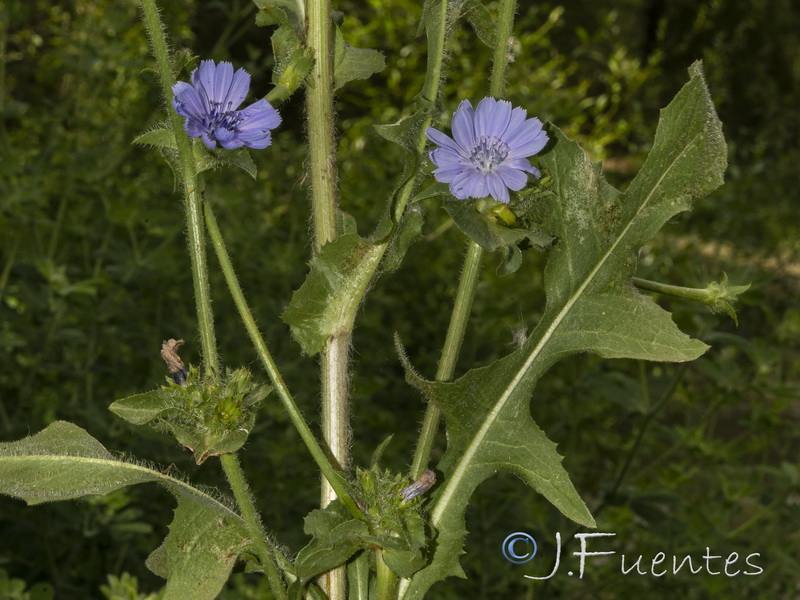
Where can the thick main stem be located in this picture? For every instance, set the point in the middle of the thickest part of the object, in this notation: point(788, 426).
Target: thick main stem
point(335, 410)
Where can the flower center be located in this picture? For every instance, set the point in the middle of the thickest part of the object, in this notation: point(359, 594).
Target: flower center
point(487, 153)
point(222, 119)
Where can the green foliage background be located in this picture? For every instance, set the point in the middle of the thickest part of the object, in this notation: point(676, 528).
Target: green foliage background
point(94, 274)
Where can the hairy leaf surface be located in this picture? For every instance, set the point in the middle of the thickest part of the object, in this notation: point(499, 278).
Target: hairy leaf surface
point(325, 305)
point(591, 306)
point(63, 462)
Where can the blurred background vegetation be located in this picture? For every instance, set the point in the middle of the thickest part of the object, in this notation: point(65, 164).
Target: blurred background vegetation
point(94, 275)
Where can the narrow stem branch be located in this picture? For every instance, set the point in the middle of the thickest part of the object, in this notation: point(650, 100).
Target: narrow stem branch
point(202, 289)
point(472, 264)
point(191, 186)
point(651, 414)
point(436, 30)
point(452, 347)
point(244, 498)
point(316, 451)
point(10, 258)
point(62, 211)
point(677, 291)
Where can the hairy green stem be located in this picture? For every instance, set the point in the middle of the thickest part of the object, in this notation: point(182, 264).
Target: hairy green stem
point(192, 191)
point(472, 265)
point(321, 140)
point(316, 451)
point(244, 498)
point(505, 25)
point(701, 295)
point(334, 376)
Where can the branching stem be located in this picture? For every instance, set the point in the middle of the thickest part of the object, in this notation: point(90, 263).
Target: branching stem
point(330, 473)
point(472, 264)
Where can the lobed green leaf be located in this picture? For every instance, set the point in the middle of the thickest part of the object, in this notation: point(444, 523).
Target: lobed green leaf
point(591, 306)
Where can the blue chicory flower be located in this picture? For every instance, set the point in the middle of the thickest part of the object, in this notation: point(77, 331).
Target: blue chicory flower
point(210, 106)
point(489, 154)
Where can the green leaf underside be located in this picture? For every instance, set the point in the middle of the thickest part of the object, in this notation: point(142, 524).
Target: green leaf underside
point(161, 137)
point(337, 537)
point(350, 64)
point(238, 158)
point(198, 555)
point(326, 304)
point(591, 306)
point(288, 13)
point(141, 408)
point(408, 231)
point(63, 462)
point(481, 20)
point(358, 578)
point(488, 234)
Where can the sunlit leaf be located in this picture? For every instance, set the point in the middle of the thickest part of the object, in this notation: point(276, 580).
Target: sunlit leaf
point(591, 306)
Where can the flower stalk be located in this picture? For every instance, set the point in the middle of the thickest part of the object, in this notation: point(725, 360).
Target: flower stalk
point(718, 296)
point(470, 271)
point(329, 472)
point(192, 190)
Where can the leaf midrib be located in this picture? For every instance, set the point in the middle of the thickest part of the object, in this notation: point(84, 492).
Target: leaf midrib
point(155, 476)
point(454, 481)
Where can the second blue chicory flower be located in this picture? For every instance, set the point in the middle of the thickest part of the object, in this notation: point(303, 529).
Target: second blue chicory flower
point(489, 155)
